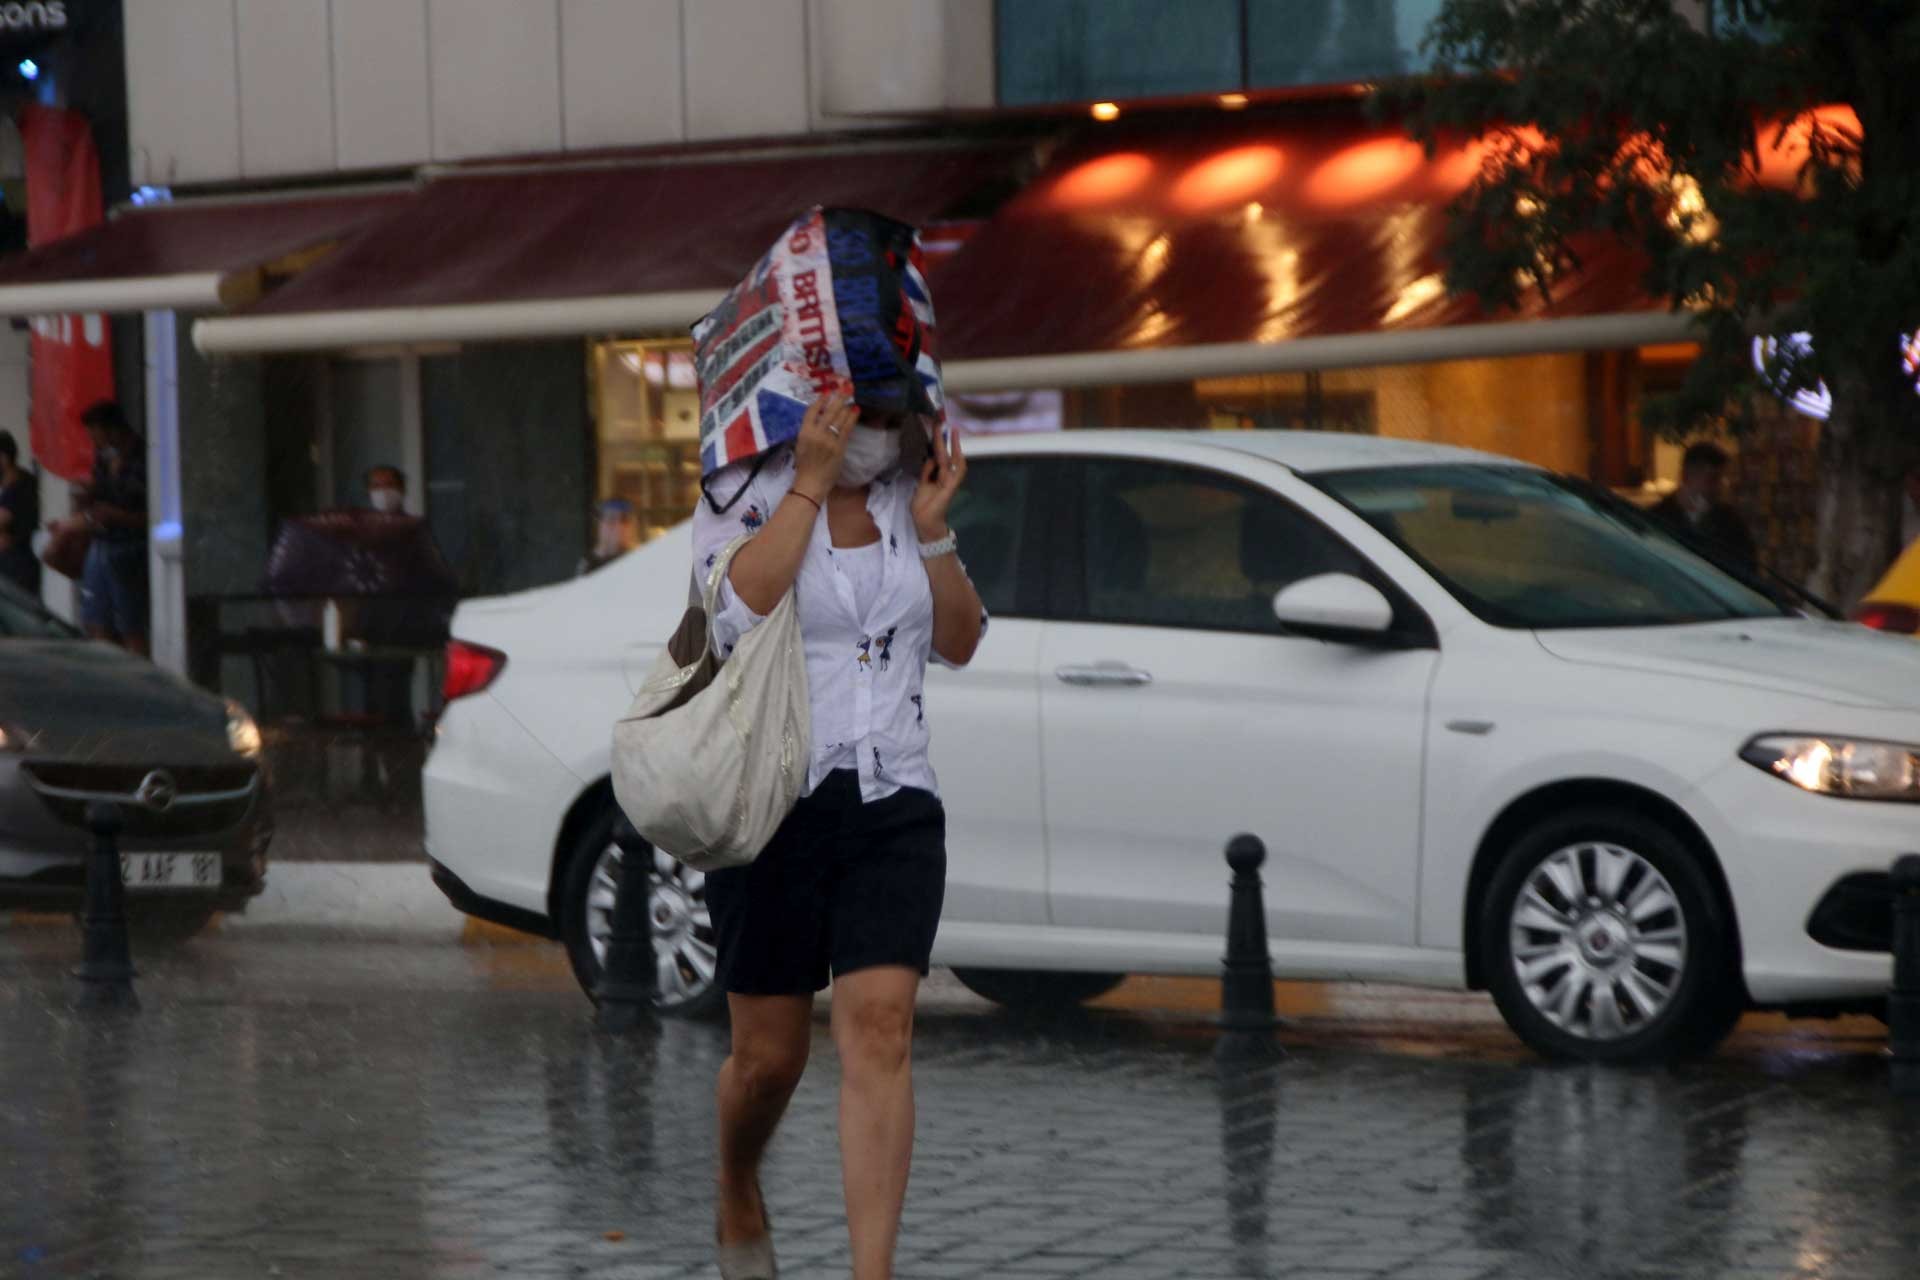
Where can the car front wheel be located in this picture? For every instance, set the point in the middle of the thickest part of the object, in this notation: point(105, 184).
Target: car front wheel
point(684, 952)
point(1604, 940)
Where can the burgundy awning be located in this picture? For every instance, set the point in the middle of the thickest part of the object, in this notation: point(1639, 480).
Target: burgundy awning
point(188, 255)
point(619, 245)
point(1263, 245)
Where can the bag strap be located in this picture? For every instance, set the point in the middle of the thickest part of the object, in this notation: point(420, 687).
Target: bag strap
point(717, 574)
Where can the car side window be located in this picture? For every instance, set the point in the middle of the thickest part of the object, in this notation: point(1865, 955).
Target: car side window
point(991, 517)
point(1176, 546)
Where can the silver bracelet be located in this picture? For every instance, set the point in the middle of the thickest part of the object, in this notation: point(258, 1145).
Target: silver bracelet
point(945, 546)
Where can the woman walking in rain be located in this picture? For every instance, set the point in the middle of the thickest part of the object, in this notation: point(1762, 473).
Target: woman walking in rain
point(850, 888)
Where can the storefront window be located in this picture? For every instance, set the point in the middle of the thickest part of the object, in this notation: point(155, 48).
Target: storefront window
point(1083, 50)
point(1335, 41)
point(1538, 408)
point(1073, 50)
point(647, 415)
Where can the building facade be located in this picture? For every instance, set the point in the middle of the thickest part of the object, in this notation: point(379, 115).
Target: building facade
point(465, 237)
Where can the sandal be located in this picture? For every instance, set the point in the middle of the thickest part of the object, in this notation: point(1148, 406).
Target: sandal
point(750, 1259)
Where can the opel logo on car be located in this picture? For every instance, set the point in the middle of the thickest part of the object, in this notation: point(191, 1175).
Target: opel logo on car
point(157, 791)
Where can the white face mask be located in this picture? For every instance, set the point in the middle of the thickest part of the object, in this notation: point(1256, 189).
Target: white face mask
point(871, 452)
point(389, 500)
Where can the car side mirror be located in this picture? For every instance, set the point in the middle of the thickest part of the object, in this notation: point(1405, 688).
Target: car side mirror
point(1335, 606)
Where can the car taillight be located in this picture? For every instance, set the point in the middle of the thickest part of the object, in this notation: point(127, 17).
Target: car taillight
point(471, 668)
point(1903, 619)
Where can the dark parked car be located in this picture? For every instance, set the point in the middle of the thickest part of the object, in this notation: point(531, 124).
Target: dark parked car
point(83, 721)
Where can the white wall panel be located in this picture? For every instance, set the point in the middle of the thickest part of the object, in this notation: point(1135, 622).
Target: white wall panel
point(495, 76)
point(220, 89)
point(381, 104)
point(183, 101)
point(746, 67)
point(620, 72)
point(286, 86)
point(972, 60)
point(879, 56)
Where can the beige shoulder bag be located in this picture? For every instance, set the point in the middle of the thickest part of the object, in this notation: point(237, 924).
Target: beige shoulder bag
point(711, 756)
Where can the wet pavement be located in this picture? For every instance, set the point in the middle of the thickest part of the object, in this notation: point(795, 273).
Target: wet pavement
point(344, 797)
point(306, 1107)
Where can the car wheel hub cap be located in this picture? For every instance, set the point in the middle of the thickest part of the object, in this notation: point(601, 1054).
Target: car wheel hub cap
point(684, 951)
point(669, 909)
point(1598, 941)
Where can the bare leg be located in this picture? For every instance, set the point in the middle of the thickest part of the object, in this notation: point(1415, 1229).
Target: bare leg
point(873, 1029)
point(770, 1040)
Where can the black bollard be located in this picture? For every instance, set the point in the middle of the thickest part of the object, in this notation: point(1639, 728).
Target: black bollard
point(625, 992)
point(1903, 1004)
point(106, 962)
point(1246, 979)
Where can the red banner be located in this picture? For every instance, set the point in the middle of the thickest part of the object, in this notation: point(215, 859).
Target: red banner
point(72, 354)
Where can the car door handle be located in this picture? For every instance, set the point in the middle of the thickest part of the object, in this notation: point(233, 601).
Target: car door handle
point(1105, 673)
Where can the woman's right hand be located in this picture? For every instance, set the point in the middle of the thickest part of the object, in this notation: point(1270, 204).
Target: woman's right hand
point(822, 444)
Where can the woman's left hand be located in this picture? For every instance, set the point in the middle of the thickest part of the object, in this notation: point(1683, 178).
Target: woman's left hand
point(940, 479)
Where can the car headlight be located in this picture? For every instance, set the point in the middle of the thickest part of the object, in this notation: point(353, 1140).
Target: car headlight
point(1847, 767)
point(243, 735)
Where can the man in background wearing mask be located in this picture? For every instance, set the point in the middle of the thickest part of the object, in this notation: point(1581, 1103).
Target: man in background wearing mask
point(382, 687)
point(113, 587)
point(387, 489)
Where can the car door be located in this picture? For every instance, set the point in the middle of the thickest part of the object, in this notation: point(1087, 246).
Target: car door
point(1177, 714)
point(986, 719)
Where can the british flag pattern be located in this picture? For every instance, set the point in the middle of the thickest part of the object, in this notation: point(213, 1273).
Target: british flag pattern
point(841, 300)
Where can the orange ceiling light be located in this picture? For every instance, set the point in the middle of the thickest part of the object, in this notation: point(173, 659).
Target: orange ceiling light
point(1781, 160)
point(1454, 168)
point(1233, 101)
point(1364, 171)
point(1106, 111)
point(1228, 178)
point(1102, 181)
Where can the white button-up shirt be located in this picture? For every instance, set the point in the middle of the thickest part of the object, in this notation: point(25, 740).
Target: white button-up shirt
point(866, 667)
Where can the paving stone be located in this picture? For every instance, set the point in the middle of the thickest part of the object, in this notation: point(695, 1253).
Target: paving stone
point(293, 1108)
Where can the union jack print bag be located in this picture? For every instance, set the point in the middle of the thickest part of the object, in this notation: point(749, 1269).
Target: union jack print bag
point(839, 298)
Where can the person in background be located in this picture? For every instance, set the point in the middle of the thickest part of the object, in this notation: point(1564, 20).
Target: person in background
point(19, 518)
point(615, 534)
point(113, 586)
point(387, 489)
point(1697, 512)
point(382, 687)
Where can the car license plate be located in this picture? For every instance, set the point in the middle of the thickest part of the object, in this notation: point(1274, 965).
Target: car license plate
point(152, 871)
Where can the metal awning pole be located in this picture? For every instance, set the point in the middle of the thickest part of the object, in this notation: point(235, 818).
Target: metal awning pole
point(633, 313)
point(1339, 351)
point(479, 322)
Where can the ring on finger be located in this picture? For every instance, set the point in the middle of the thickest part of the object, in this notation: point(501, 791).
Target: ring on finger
point(835, 430)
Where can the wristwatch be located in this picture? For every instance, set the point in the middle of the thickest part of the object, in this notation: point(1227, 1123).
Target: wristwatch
point(945, 546)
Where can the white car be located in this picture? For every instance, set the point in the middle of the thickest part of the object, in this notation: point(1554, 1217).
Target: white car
point(1496, 731)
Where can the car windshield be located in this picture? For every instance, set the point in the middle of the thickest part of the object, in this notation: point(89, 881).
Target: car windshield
point(23, 617)
point(1527, 549)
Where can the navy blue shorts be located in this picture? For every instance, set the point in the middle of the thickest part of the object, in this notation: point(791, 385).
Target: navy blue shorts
point(842, 886)
point(113, 588)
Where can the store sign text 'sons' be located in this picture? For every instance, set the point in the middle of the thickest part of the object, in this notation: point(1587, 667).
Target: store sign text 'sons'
point(41, 15)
